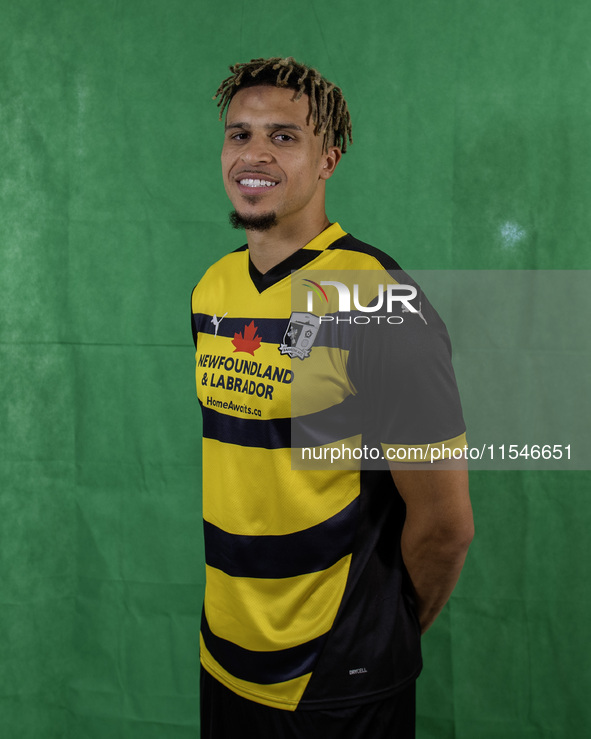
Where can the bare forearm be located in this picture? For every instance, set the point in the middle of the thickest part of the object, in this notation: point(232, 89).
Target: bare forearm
point(434, 568)
point(436, 535)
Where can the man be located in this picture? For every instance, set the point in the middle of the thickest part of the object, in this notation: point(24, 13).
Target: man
point(319, 581)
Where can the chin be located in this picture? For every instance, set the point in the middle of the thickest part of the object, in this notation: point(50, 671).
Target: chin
point(253, 222)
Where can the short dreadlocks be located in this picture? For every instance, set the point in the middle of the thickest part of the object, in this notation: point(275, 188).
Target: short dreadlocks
point(328, 108)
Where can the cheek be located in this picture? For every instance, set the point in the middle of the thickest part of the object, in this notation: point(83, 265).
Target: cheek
point(307, 167)
point(314, 166)
point(310, 175)
point(227, 158)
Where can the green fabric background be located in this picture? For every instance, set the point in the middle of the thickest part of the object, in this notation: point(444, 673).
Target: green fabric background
point(472, 150)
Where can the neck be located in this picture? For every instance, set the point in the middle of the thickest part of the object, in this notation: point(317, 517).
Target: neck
point(269, 248)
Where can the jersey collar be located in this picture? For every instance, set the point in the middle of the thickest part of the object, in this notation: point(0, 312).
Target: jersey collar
point(326, 238)
point(297, 260)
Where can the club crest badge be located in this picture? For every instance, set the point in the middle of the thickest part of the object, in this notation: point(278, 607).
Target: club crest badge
point(300, 335)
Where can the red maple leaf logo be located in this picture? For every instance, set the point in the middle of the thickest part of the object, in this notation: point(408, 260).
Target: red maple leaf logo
point(249, 342)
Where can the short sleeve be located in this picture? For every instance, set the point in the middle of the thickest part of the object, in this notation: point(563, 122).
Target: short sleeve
point(403, 374)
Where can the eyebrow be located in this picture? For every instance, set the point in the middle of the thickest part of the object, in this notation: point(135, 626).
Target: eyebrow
point(269, 126)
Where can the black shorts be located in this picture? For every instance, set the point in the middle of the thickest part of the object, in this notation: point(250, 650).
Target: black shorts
point(225, 715)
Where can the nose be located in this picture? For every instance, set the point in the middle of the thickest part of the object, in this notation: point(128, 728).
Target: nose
point(256, 151)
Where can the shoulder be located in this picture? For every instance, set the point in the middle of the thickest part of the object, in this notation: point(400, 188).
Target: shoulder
point(219, 272)
point(362, 254)
point(225, 265)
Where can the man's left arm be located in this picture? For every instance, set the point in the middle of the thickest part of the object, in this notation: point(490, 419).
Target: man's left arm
point(437, 533)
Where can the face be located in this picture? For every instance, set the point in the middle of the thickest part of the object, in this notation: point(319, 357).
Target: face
point(272, 162)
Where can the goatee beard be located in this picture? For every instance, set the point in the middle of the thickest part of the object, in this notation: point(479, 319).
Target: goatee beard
point(253, 223)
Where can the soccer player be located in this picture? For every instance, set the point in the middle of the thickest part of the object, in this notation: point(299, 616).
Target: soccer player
point(319, 581)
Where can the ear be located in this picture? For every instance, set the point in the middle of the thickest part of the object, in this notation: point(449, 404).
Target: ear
point(330, 159)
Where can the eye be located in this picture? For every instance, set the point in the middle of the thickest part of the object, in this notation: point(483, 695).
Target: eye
point(283, 137)
point(241, 136)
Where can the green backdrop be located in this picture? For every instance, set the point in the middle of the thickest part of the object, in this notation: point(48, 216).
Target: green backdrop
point(472, 150)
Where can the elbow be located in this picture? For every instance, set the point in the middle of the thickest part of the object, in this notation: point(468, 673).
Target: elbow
point(449, 541)
point(460, 539)
point(454, 541)
point(466, 534)
point(461, 531)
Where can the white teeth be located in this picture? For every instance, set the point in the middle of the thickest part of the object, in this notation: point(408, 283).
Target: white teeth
point(257, 183)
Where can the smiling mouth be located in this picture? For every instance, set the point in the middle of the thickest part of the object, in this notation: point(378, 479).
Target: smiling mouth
point(249, 182)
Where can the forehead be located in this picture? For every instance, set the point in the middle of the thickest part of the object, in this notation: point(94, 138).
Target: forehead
point(269, 104)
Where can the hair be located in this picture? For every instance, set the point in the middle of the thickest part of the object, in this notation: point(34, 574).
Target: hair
point(328, 107)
